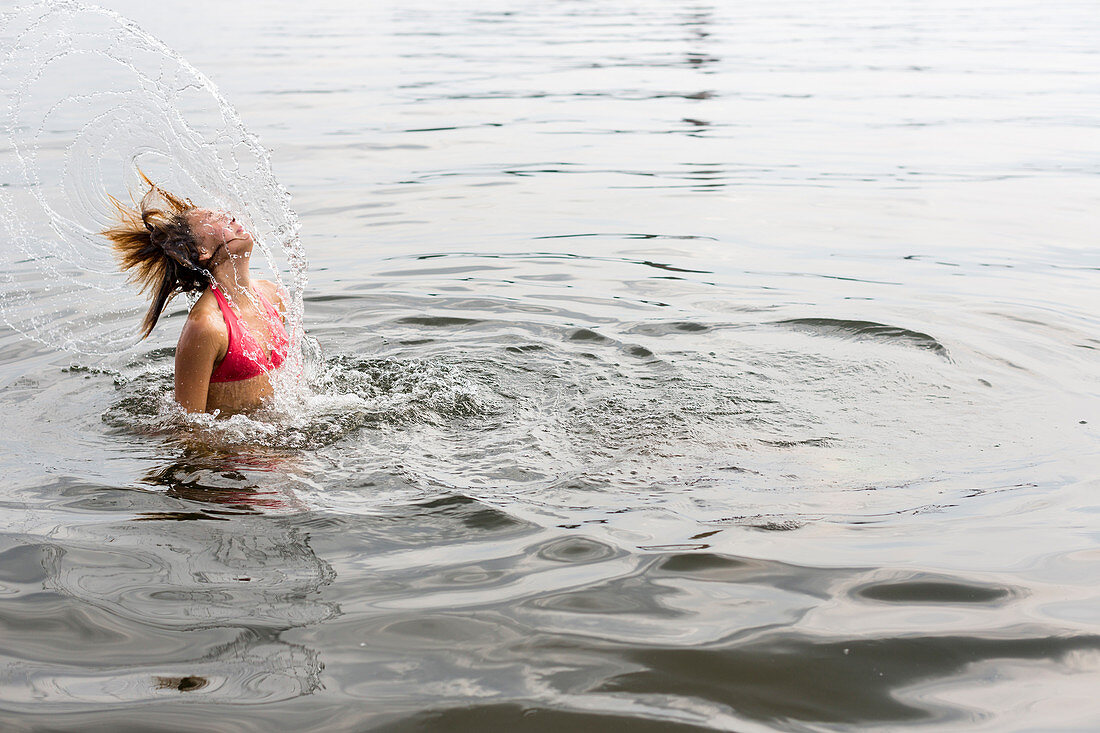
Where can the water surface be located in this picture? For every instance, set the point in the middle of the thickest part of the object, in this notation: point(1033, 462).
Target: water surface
point(681, 366)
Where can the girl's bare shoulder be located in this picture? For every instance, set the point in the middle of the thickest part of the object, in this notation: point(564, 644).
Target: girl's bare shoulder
point(272, 292)
point(205, 321)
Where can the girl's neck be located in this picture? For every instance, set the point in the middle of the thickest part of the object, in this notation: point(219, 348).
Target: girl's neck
point(233, 280)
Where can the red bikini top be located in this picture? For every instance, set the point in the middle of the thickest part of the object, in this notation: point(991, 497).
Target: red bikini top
point(245, 358)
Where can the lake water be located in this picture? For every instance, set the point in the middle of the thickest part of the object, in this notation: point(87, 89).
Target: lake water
point(682, 366)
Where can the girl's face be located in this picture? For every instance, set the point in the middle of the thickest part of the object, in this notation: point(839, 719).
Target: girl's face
point(215, 231)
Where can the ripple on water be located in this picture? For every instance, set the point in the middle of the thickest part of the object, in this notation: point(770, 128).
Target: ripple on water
point(859, 681)
point(710, 469)
point(867, 330)
point(930, 589)
point(543, 409)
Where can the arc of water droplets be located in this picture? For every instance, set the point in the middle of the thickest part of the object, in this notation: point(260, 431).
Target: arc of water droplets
point(88, 97)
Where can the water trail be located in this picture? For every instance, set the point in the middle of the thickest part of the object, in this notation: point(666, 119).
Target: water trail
point(86, 97)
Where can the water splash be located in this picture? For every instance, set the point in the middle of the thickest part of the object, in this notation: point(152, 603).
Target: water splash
point(87, 97)
point(338, 399)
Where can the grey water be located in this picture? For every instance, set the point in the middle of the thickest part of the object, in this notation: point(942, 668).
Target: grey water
point(678, 366)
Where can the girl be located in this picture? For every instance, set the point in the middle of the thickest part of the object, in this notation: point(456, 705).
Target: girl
point(234, 337)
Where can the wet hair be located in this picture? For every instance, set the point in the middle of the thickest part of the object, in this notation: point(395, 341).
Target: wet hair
point(154, 243)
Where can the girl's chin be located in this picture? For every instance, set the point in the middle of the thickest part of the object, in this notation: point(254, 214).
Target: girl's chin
point(240, 246)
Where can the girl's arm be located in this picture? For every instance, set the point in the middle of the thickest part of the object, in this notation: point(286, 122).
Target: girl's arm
point(198, 349)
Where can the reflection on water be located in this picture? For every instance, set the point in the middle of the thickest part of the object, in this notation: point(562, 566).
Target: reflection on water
point(175, 606)
point(211, 597)
point(688, 366)
point(225, 485)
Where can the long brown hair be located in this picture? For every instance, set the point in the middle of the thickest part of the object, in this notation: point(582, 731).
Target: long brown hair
point(154, 243)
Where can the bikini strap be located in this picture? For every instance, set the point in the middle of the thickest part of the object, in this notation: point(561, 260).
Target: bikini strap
point(223, 304)
point(271, 309)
